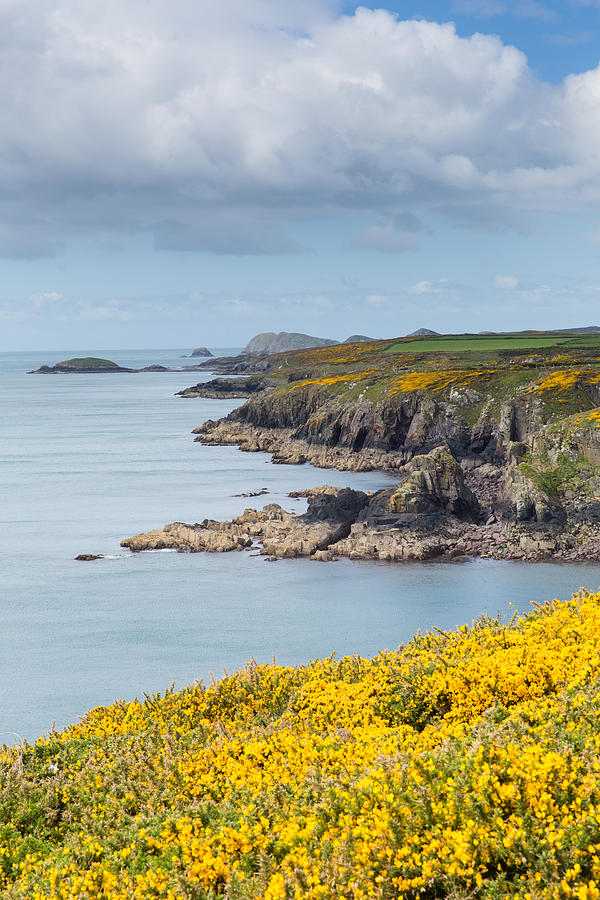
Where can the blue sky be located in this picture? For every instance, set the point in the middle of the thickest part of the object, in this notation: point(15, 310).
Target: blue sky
point(184, 174)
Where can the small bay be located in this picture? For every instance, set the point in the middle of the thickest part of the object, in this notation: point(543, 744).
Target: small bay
point(89, 459)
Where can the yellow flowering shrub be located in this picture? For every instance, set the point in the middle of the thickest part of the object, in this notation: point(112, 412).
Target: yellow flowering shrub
point(440, 380)
point(464, 765)
point(329, 380)
point(589, 418)
point(563, 379)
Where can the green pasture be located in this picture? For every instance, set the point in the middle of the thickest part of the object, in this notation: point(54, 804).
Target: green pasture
point(472, 342)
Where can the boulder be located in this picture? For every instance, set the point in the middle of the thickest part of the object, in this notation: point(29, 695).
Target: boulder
point(434, 484)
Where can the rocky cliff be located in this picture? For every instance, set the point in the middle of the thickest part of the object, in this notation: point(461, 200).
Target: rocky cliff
point(438, 508)
point(496, 448)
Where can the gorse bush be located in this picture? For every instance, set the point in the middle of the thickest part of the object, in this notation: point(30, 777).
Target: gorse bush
point(463, 765)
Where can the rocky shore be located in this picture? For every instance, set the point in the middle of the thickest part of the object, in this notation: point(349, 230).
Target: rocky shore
point(224, 388)
point(438, 508)
point(494, 457)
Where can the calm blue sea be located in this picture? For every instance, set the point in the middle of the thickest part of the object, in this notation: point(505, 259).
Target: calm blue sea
point(89, 459)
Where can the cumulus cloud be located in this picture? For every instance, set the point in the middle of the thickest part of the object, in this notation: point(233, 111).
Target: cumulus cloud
point(39, 301)
point(506, 282)
point(429, 287)
point(213, 126)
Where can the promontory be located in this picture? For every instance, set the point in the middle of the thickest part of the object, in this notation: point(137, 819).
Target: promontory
point(494, 442)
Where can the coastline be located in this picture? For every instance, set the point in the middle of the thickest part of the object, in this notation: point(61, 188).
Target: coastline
point(439, 509)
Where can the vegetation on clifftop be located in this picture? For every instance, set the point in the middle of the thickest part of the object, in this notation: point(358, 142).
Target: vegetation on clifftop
point(559, 374)
point(464, 765)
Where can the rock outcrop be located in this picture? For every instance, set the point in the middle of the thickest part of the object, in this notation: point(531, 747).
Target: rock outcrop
point(431, 512)
point(201, 352)
point(269, 342)
point(225, 388)
point(308, 425)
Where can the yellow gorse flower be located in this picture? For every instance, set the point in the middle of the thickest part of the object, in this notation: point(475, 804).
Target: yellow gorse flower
point(465, 764)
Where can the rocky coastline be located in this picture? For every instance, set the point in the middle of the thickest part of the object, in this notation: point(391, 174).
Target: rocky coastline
point(503, 463)
point(224, 389)
point(433, 511)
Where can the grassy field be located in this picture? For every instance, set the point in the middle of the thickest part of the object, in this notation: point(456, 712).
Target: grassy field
point(465, 765)
point(470, 342)
point(488, 370)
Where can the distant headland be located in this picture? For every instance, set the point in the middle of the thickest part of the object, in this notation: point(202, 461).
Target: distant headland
point(285, 341)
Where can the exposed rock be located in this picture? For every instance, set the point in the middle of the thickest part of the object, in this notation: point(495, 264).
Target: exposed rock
point(259, 493)
point(323, 489)
point(88, 557)
point(201, 351)
point(224, 388)
point(287, 449)
point(307, 424)
point(430, 513)
point(522, 500)
point(434, 483)
point(281, 533)
point(210, 536)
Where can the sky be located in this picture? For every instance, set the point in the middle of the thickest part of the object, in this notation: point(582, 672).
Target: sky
point(191, 172)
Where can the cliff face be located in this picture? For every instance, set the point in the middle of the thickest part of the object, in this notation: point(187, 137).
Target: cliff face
point(496, 453)
point(403, 426)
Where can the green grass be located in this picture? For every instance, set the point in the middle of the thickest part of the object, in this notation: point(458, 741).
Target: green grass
point(566, 474)
point(90, 362)
point(470, 342)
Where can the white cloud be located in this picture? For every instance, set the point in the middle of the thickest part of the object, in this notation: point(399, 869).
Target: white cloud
point(506, 282)
point(429, 287)
point(211, 125)
point(39, 301)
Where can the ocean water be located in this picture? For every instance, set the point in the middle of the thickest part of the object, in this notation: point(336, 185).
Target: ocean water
point(89, 459)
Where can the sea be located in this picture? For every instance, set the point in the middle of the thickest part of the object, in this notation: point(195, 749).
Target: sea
point(86, 460)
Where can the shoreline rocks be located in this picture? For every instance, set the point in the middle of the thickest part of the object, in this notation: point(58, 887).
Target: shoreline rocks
point(431, 513)
point(288, 450)
point(224, 389)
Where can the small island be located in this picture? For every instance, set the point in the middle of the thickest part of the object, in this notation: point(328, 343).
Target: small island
point(92, 365)
point(202, 352)
point(86, 364)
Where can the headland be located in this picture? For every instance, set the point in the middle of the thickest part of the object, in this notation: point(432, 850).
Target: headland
point(494, 439)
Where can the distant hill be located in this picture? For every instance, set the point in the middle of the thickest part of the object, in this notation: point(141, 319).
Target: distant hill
point(358, 339)
point(269, 342)
point(422, 332)
point(589, 329)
